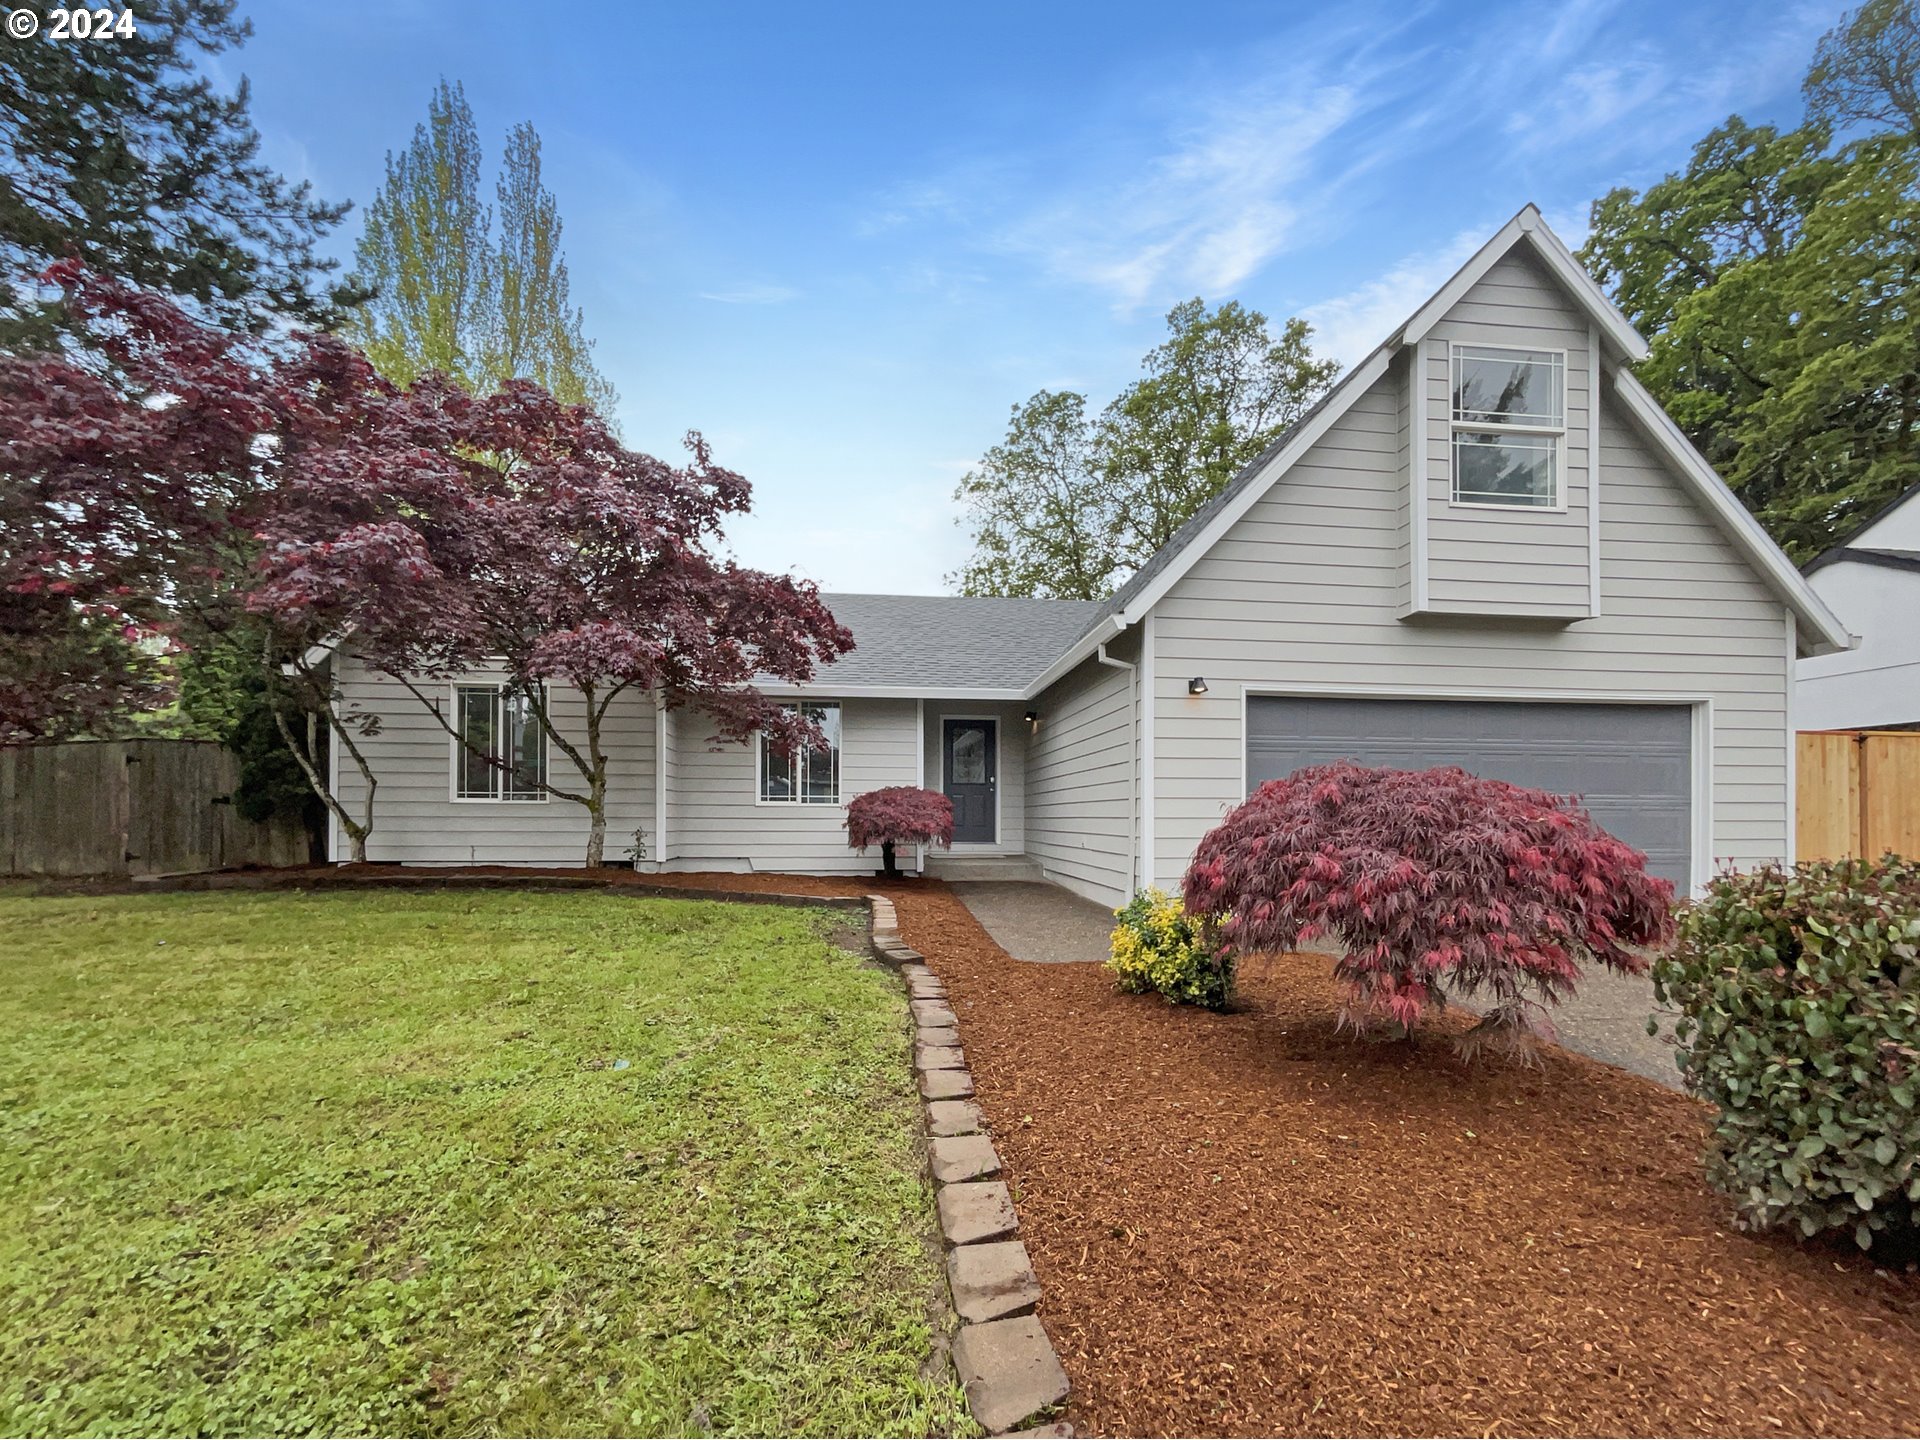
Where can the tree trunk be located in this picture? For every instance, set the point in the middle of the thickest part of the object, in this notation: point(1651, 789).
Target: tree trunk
point(886, 860)
point(596, 778)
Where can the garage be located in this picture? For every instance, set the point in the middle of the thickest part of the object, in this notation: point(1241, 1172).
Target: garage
point(1631, 765)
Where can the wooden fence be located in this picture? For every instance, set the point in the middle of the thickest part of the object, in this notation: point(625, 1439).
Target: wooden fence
point(131, 807)
point(1859, 793)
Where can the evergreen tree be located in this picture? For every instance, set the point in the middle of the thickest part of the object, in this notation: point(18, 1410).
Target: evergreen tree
point(124, 155)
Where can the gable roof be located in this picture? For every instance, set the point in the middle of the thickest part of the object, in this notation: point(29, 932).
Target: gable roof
point(977, 647)
point(1838, 550)
point(1820, 628)
point(1887, 559)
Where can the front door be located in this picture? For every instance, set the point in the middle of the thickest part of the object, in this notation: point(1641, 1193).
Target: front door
point(971, 761)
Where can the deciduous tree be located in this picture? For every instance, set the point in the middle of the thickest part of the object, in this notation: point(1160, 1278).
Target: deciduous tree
point(1067, 507)
point(458, 530)
point(898, 815)
point(1435, 884)
point(450, 297)
point(1775, 279)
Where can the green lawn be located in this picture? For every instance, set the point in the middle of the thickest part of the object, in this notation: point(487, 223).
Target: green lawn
point(371, 1163)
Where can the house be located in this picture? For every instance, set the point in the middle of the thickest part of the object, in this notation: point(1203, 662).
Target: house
point(1487, 546)
point(1872, 582)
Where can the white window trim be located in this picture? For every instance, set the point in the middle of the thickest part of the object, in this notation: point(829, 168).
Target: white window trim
point(799, 802)
point(456, 751)
point(1455, 425)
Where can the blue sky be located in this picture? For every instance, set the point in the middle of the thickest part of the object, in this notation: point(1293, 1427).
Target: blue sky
point(844, 240)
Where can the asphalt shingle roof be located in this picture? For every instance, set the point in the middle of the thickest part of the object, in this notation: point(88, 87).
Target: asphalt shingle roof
point(952, 642)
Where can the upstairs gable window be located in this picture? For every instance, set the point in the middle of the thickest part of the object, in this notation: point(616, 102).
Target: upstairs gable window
point(1509, 426)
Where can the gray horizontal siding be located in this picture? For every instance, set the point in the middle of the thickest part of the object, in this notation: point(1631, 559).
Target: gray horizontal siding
point(715, 818)
point(1273, 605)
point(1081, 782)
point(417, 822)
point(1510, 562)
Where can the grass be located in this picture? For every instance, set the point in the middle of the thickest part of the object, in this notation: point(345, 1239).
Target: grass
point(456, 1164)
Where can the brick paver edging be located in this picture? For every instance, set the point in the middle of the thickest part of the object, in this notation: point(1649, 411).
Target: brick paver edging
point(1007, 1366)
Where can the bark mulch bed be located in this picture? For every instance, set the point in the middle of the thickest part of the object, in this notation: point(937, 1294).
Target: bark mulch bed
point(1249, 1224)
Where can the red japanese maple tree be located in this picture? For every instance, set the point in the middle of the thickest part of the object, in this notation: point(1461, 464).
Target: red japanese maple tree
point(514, 529)
point(898, 815)
point(1435, 883)
point(123, 463)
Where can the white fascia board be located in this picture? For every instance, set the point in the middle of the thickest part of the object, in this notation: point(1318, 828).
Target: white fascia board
point(1529, 228)
point(1101, 633)
point(1301, 439)
point(1825, 634)
point(827, 690)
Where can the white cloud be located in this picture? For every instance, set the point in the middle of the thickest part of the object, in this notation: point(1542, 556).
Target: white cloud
point(752, 295)
point(1348, 326)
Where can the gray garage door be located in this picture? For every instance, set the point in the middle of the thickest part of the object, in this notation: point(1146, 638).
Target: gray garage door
point(1629, 764)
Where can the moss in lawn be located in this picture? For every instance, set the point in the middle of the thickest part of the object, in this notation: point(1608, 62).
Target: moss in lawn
point(373, 1163)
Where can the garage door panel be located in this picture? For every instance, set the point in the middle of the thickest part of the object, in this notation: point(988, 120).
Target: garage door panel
point(1631, 765)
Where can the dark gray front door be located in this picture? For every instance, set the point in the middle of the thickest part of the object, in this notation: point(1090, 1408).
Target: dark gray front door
point(1631, 765)
point(970, 751)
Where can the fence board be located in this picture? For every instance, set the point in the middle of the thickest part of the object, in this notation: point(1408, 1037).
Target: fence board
point(139, 807)
point(1858, 793)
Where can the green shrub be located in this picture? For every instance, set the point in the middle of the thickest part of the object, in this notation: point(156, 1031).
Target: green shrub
point(1799, 993)
point(1156, 947)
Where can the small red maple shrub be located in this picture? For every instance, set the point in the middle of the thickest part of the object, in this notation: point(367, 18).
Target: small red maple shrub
point(1436, 883)
point(898, 815)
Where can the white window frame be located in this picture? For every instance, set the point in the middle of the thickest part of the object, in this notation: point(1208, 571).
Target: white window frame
point(457, 752)
point(1457, 350)
point(799, 797)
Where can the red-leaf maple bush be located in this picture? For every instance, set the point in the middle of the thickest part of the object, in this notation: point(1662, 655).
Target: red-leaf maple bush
point(1437, 885)
point(898, 815)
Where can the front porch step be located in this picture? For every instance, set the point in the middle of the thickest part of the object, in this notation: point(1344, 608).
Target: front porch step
point(981, 867)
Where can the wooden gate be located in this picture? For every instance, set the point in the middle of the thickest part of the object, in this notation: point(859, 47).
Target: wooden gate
point(131, 807)
point(1858, 794)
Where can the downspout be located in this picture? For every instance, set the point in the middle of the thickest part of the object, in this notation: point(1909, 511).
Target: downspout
point(1133, 816)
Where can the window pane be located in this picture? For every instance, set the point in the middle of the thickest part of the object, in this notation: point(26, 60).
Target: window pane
point(1504, 469)
point(969, 760)
point(776, 771)
point(526, 747)
point(476, 721)
point(1512, 387)
point(822, 766)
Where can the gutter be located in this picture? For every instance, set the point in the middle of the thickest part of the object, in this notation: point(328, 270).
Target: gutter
point(1139, 776)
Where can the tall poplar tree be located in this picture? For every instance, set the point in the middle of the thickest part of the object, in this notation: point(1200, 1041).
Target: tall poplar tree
point(426, 252)
point(456, 292)
point(536, 331)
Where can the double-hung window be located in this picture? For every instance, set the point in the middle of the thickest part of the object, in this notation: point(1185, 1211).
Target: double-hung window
point(809, 775)
point(498, 721)
point(1509, 424)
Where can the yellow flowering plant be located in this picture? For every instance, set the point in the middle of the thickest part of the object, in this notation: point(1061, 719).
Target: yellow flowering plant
point(1156, 946)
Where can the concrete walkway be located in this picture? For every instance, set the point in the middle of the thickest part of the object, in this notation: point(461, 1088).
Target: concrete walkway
point(1037, 921)
point(1048, 925)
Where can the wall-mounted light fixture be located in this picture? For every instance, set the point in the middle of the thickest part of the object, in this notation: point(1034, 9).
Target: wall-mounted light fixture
point(1197, 685)
point(1033, 717)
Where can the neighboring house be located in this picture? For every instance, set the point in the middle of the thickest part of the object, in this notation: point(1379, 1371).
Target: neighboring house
point(1486, 546)
point(1872, 582)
